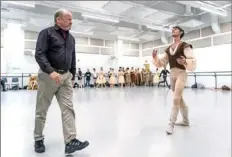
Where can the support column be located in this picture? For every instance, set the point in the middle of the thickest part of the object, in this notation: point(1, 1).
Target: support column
point(141, 54)
point(215, 24)
point(164, 37)
point(119, 51)
point(14, 48)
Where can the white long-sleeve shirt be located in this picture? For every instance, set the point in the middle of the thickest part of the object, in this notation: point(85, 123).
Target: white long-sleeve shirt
point(160, 61)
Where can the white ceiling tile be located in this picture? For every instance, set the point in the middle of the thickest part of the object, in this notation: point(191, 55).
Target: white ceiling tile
point(95, 5)
point(191, 23)
point(139, 12)
point(122, 33)
point(159, 16)
point(82, 28)
point(117, 7)
point(101, 26)
point(220, 3)
point(104, 29)
point(40, 22)
point(125, 29)
point(147, 37)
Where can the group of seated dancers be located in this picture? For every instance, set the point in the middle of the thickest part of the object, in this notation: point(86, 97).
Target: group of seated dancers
point(32, 84)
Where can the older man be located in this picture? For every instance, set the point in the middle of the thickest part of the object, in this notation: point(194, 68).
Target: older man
point(55, 54)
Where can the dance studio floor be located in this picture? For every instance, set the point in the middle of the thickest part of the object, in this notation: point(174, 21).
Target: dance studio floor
point(118, 122)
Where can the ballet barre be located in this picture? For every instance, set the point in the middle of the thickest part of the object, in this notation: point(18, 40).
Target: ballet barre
point(215, 74)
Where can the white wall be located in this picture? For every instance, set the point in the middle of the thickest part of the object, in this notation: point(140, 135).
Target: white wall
point(29, 65)
point(93, 61)
point(13, 42)
point(14, 61)
point(215, 58)
point(208, 59)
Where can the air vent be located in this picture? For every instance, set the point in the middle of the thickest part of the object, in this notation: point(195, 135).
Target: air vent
point(155, 31)
point(191, 23)
point(5, 9)
point(188, 11)
point(188, 14)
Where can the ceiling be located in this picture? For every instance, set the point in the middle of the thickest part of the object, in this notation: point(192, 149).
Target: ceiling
point(139, 21)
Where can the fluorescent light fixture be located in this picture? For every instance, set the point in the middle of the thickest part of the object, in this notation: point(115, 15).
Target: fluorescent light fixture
point(212, 9)
point(10, 22)
point(32, 40)
point(22, 3)
point(84, 33)
point(159, 28)
point(100, 18)
point(210, 6)
point(130, 39)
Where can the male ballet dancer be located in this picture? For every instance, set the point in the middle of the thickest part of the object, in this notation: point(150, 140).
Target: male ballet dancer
point(180, 57)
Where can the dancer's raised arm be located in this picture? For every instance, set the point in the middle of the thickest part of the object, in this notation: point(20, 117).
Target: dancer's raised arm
point(159, 60)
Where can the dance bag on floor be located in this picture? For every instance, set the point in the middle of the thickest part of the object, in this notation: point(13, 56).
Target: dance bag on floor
point(15, 87)
point(194, 85)
point(75, 85)
point(107, 84)
point(200, 86)
point(224, 87)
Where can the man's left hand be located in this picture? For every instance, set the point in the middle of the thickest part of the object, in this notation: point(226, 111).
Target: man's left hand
point(73, 82)
point(181, 60)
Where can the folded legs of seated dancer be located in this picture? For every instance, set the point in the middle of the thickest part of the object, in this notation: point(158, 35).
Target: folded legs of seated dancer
point(180, 58)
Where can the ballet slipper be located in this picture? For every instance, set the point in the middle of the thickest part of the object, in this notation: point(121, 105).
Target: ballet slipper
point(184, 113)
point(173, 118)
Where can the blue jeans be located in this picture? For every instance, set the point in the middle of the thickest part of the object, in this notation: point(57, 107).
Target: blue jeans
point(87, 83)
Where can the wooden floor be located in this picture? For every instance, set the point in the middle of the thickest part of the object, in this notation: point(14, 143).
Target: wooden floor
point(127, 122)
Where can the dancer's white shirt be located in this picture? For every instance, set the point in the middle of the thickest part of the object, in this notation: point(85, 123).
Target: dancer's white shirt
point(160, 61)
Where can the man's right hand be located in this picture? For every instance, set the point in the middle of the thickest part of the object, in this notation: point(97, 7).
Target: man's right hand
point(154, 53)
point(55, 76)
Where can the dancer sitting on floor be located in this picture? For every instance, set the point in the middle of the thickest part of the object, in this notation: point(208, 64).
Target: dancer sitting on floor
point(33, 84)
point(180, 57)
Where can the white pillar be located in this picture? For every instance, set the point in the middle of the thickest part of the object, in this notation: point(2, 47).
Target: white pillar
point(141, 54)
point(119, 51)
point(14, 48)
